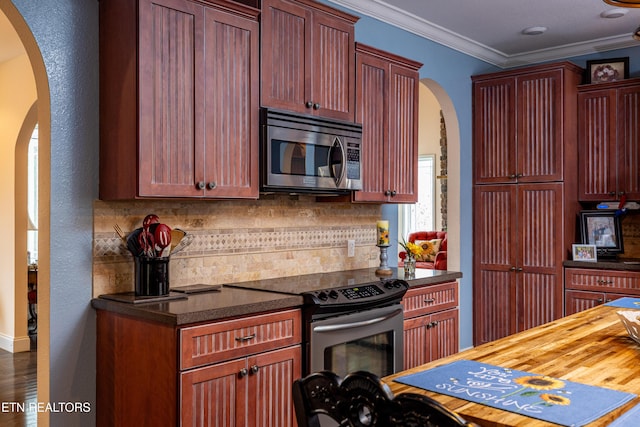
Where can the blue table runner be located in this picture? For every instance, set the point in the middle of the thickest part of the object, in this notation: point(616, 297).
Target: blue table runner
point(536, 396)
point(625, 302)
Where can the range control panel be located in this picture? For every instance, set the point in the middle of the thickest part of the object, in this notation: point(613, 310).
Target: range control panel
point(358, 297)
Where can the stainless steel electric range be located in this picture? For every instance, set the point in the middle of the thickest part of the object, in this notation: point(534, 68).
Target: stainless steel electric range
point(353, 320)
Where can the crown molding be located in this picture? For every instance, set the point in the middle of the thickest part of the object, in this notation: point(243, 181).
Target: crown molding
point(399, 18)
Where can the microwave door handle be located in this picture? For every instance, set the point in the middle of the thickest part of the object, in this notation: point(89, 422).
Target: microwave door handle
point(343, 161)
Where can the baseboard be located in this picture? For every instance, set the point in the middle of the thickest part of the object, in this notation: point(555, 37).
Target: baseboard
point(15, 344)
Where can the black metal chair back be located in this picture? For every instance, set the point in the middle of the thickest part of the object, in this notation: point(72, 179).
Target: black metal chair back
point(362, 400)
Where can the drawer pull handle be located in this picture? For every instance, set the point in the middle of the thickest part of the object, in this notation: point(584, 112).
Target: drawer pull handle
point(247, 338)
point(605, 282)
point(255, 369)
point(429, 301)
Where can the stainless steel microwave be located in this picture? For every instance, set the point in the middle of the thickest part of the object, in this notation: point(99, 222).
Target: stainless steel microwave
point(306, 154)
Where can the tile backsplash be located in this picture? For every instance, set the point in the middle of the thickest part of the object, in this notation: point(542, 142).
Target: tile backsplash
point(239, 240)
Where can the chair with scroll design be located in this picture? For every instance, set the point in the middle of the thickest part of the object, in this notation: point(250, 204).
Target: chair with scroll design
point(362, 400)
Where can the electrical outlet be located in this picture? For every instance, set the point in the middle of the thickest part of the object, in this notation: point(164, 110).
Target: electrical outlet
point(351, 248)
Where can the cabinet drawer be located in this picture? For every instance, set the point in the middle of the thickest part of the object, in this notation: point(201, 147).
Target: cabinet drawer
point(429, 299)
point(626, 282)
point(215, 342)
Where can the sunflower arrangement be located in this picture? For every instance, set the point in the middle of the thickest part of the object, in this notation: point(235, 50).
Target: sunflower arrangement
point(413, 250)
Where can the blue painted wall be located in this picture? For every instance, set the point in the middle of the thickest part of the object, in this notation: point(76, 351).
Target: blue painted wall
point(67, 33)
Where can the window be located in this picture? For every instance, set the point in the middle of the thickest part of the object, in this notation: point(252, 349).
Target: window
point(420, 216)
point(32, 196)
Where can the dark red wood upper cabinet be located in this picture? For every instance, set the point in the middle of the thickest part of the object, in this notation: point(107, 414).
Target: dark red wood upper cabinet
point(609, 137)
point(520, 127)
point(387, 108)
point(185, 122)
point(308, 58)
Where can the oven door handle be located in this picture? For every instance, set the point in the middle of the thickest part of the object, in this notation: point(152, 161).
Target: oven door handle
point(342, 326)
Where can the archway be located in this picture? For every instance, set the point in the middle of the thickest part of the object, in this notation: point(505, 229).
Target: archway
point(44, 123)
point(453, 198)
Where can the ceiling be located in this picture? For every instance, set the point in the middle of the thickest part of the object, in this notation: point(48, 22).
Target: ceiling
point(491, 30)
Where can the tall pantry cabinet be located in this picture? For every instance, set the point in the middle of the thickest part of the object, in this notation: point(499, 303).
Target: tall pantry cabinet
point(525, 195)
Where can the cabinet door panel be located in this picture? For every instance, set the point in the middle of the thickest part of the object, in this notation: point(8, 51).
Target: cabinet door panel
point(171, 110)
point(214, 396)
point(539, 299)
point(403, 131)
point(495, 258)
point(629, 141)
point(494, 306)
point(539, 140)
point(444, 334)
point(333, 67)
point(540, 270)
point(494, 130)
point(372, 111)
point(495, 228)
point(286, 28)
point(597, 152)
point(270, 401)
point(232, 96)
point(416, 342)
point(576, 301)
point(540, 227)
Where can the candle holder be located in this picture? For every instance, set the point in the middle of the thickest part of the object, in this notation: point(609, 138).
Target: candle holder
point(384, 269)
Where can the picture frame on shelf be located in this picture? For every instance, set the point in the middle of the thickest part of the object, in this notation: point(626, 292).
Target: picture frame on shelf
point(583, 252)
point(602, 228)
point(607, 70)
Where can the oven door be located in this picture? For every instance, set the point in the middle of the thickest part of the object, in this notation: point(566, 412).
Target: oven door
point(370, 340)
point(305, 159)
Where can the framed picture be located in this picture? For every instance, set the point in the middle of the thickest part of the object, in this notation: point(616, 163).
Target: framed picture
point(584, 252)
point(607, 70)
point(602, 228)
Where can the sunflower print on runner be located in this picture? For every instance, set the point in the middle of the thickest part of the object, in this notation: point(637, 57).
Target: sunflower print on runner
point(554, 399)
point(540, 382)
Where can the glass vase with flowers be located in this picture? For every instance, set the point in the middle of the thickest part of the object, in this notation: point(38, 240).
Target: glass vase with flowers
point(412, 251)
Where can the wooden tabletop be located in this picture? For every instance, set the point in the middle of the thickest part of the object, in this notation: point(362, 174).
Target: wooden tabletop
point(590, 347)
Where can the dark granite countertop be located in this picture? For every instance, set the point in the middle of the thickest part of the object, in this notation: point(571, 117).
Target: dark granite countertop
point(246, 298)
point(202, 307)
point(620, 264)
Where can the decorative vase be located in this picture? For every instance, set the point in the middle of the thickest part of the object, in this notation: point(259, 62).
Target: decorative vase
point(409, 266)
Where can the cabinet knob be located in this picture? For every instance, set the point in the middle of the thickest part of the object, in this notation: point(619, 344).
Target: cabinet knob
point(316, 106)
point(211, 185)
point(200, 185)
point(387, 193)
point(512, 269)
point(600, 301)
point(513, 176)
point(255, 369)
point(393, 193)
point(243, 372)
point(308, 104)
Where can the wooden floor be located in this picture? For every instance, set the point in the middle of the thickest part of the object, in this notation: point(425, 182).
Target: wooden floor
point(18, 387)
